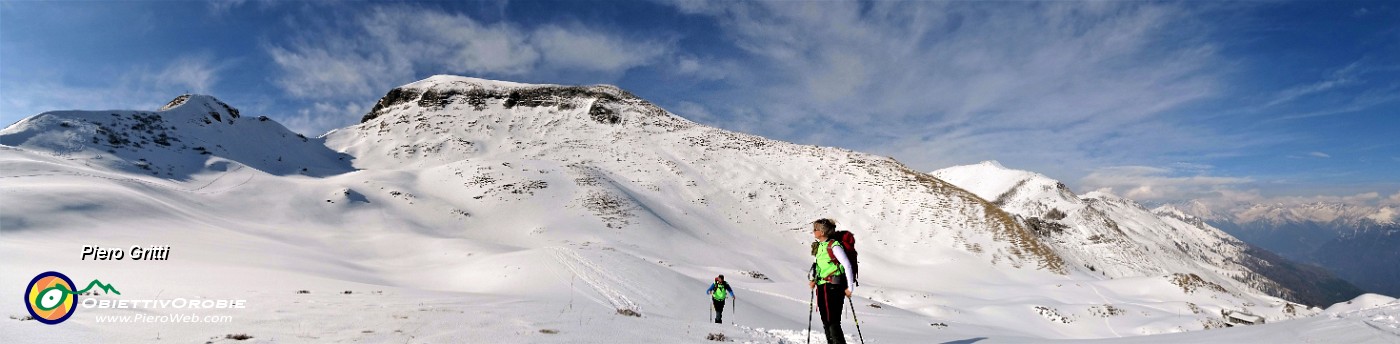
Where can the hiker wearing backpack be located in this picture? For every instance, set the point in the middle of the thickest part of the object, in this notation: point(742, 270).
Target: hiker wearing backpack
point(833, 275)
point(718, 292)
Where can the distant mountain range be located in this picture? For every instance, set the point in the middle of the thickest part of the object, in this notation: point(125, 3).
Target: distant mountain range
point(1358, 243)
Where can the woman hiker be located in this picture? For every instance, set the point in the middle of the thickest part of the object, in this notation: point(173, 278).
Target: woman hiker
point(718, 292)
point(830, 279)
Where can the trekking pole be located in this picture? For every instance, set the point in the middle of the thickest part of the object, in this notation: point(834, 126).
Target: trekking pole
point(810, 302)
point(853, 317)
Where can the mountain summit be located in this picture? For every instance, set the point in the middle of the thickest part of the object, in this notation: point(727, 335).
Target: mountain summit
point(200, 104)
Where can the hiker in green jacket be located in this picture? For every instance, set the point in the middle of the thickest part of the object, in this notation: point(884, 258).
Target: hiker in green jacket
point(830, 277)
point(719, 291)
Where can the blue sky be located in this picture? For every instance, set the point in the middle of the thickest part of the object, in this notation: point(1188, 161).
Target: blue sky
point(1159, 101)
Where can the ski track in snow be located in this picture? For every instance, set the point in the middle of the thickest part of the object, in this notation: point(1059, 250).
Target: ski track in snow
point(601, 280)
point(238, 170)
point(1105, 301)
point(137, 181)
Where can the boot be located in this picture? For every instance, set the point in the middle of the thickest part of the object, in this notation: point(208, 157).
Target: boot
point(834, 335)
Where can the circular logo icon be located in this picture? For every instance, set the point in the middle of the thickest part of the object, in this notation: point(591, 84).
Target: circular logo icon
point(50, 297)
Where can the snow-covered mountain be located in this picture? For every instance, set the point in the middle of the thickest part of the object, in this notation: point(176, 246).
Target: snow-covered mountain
point(190, 134)
point(1357, 242)
point(470, 210)
point(1120, 238)
point(1335, 214)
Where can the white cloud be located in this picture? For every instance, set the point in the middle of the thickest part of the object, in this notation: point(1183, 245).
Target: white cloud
point(1362, 197)
point(698, 6)
point(221, 7)
point(688, 66)
point(1250, 205)
point(1341, 77)
point(699, 68)
point(429, 39)
point(361, 59)
point(1354, 199)
point(322, 115)
point(1049, 85)
point(1189, 166)
point(586, 49)
point(1353, 103)
point(1352, 88)
point(196, 74)
point(1155, 184)
point(394, 45)
point(693, 111)
point(1319, 155)
point(310, 72)
point(1385, 215)
point(142, 87)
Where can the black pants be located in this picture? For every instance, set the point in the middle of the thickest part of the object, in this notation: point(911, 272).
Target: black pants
point(718, 311)
point(830, 297)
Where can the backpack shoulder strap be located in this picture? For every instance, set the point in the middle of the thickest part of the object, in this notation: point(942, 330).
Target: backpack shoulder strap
point(831, 243)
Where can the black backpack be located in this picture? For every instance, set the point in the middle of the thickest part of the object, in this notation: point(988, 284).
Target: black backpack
point(848, 244)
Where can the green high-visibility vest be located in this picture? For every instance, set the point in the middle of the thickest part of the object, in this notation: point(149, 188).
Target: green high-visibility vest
point(826, 264)
point(720, 293)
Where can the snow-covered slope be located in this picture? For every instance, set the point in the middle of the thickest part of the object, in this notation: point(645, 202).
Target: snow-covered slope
point(1100, 228)
point(1373, 323)
point(1114, 236)
point(485, 211)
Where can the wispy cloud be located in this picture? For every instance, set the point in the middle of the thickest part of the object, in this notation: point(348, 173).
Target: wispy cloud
point(1189, 166)
point(1362, 100)
point(221, 7)
point(1361, 85)
point(1245, 205)
point(1344, 76)
point(196, 73)
point(582, 48)
point(393, 45)
point(1156, 184)
point(699, 68)
point(1319, 155)
point(1236, 196)
point(938, 84)
point(323, 115)
point(139, 87)
point(693, 111)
